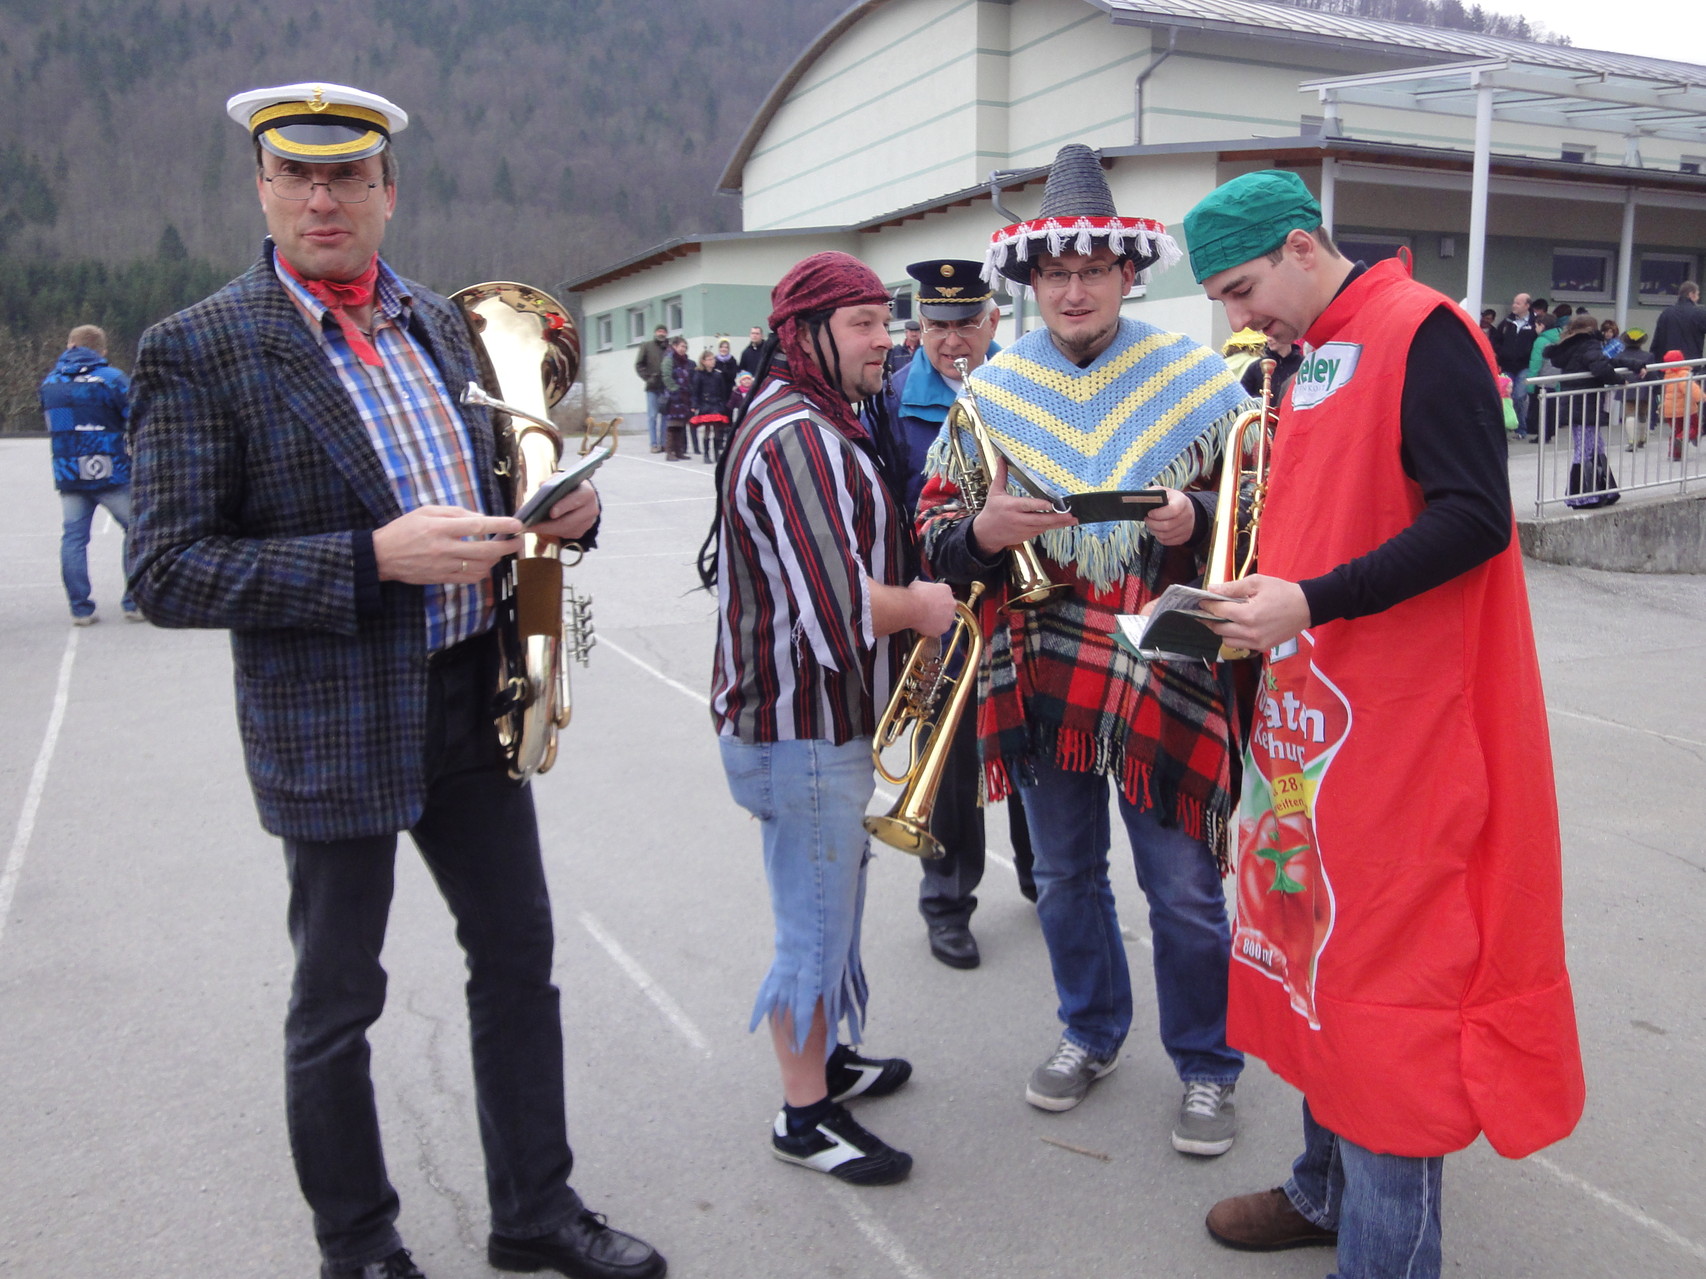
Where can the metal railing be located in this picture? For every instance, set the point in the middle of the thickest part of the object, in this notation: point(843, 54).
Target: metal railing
point(1599, 442)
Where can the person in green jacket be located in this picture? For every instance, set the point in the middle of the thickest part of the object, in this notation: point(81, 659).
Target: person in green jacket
point(1542, 343)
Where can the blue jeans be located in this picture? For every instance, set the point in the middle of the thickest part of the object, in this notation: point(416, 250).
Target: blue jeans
point(1068, 816)
point(1519, 399)
point(479, 840)
point(1385, 1207)
point(810, 799)
point(79, 508)
point(655, 401)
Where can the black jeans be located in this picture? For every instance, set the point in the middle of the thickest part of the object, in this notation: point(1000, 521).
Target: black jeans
point(480, 842)
point(946, 893)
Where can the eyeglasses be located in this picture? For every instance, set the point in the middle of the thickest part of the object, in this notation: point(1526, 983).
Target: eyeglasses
point(938, 327)
point(1058, 277)
point(295, 186)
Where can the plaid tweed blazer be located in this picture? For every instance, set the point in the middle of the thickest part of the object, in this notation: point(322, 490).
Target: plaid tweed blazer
point(254, 479)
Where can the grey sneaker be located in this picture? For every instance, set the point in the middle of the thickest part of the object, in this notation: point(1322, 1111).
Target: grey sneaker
point(87, 619)
point(1061, 1082)
point(1208, 1121)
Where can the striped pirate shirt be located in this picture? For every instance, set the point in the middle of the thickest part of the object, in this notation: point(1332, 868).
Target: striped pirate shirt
point(416, 430)
point(807, 525)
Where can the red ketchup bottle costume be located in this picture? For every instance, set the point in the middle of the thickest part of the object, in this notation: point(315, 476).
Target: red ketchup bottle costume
point(1399, 950)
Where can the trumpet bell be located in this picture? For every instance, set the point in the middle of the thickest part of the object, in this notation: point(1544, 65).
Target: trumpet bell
point(905, 834)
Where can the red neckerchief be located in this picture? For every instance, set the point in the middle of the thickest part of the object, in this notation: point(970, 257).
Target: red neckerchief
point(337, 295)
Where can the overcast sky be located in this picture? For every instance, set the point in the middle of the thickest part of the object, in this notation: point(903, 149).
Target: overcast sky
point(1675, 30)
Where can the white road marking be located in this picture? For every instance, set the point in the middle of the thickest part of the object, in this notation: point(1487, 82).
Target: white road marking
point(650, 989)
point(106, 521)
point(705, 472)
point(1628, 728)
point(677, 685)
point(38, 783)
point(882, 1239)
point(1628, 1210)
point(659, 501)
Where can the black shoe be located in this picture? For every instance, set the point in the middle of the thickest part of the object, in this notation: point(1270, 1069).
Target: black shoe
point(586, 1248)
point(851, 1075)
point(396, 1266)
point(954, 945)
point(839, 1146)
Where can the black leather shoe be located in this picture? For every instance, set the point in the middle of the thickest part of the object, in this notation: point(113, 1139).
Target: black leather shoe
point(954, 945)
point(396, 1266)
point(586, 1248)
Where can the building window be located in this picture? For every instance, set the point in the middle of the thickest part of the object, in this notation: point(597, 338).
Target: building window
point(604, 331)
point(1693, 164)
point(1370, 247)
point(1576, 153)
point(672, 315)
point(1661, 275)
point(636, 324)
point(902, 305)
point(1581, 275)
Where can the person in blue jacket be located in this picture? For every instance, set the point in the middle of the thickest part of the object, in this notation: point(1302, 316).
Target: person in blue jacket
point(958, 318)
point(87, 402)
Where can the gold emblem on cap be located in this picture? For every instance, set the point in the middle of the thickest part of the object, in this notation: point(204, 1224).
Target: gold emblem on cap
point(946, 292)
point(317, 99)
point(947, 270)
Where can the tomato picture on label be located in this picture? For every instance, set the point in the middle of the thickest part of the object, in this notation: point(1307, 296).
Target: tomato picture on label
point(1285, 902)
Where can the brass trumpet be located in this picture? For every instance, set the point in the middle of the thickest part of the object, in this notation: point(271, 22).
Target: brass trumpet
point(932, 694)
point(529, 354)
point(1028, 581)
point(1233, 532)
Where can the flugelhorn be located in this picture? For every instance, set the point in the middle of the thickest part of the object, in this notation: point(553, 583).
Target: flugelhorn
point(932, 694)
point(529, 354)
point(1028, 581)
point(1232, 548)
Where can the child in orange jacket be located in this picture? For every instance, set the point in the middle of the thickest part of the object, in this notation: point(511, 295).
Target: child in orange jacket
point(1682, 401)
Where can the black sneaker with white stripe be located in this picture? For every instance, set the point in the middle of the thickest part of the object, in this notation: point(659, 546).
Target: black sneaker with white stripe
point(839, 1145)
point(851, 1075)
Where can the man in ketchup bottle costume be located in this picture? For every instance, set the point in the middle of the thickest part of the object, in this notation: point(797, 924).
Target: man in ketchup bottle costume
point(1399, 950)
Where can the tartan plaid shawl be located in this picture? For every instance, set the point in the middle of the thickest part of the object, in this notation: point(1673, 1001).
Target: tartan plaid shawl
point(1055, 686)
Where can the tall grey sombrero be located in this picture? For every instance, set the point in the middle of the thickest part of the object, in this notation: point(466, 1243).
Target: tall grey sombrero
point(1076, 215)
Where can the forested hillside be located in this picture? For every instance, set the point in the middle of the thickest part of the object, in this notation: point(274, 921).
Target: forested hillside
point(545, 136)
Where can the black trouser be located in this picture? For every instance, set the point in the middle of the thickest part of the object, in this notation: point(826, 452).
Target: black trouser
point(946, 893)
point(480, 842)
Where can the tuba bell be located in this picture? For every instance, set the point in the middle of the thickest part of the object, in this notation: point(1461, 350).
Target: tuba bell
point(529, 353)
point(932, 694)
point(1232, 548)
point(1029, 584)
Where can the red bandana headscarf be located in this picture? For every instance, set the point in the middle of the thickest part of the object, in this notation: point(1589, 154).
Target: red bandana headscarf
point(822, 282)
point(337, 296)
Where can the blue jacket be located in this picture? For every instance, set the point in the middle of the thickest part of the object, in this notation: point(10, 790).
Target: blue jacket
point(87, 405)
point(257, 492)
point(922, 398)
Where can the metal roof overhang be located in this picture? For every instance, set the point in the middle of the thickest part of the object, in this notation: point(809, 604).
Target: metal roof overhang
point(1554, 97)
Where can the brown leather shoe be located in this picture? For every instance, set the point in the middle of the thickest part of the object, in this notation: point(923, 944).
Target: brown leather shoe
point(1265, 1222)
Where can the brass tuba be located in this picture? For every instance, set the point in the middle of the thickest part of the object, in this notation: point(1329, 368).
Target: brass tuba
point(1235, 531)
point(1028, 581)
point(931, 695)
point(529, 354)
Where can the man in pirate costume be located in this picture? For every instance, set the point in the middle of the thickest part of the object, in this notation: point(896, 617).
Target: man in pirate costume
point(306, 478)
point(1399, 949)
point(1097, 401)
point(812, 559)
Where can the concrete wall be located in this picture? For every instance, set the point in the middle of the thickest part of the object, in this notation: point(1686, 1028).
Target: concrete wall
point(1640, 537)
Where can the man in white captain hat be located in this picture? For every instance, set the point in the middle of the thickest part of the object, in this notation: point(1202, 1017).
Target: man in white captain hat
point(305, 478)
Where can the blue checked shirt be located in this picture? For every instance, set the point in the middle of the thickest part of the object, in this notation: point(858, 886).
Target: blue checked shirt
point(416, 430)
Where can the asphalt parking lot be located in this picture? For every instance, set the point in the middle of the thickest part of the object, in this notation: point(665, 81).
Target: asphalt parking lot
point(144, 968)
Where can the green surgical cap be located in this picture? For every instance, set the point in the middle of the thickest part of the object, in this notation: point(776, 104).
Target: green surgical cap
point(1247, 217)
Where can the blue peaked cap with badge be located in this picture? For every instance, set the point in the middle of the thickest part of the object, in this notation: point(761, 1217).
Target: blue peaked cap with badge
point(950, 288)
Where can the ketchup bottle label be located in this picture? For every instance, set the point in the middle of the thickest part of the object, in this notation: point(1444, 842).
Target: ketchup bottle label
point(1285, 900)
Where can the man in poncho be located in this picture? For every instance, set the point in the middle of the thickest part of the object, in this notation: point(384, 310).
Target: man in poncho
point(1097, 401)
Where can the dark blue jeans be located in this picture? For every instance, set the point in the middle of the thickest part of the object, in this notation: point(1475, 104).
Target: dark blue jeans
point(480, 842)
point(1385, 1207)
point(1068, 816)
